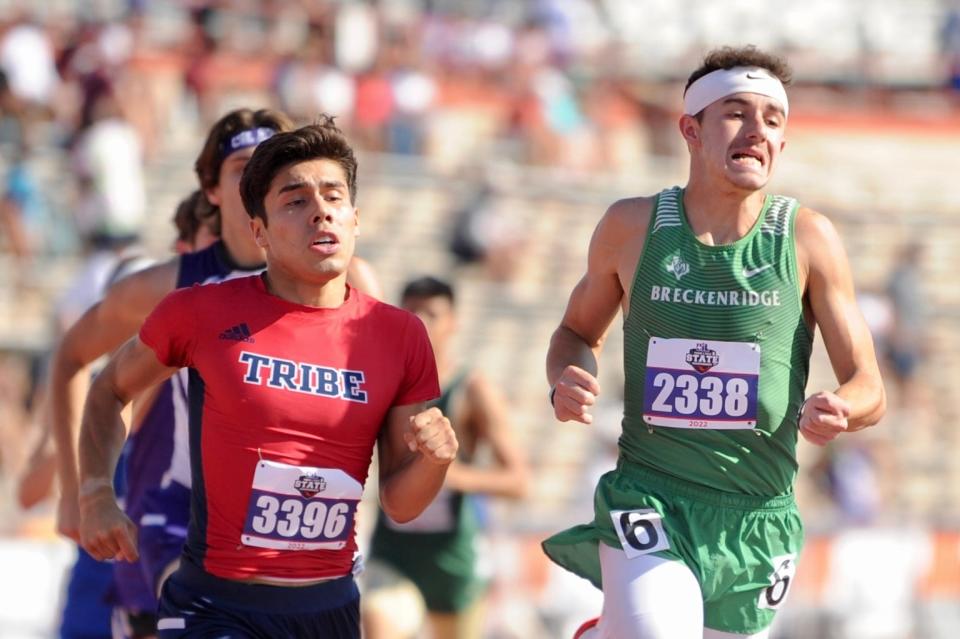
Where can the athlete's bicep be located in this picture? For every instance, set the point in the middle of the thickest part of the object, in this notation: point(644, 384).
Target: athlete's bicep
point(131, 299)
point(134, 368)
point(118, 316)
point(832, 299)
point(596, 298)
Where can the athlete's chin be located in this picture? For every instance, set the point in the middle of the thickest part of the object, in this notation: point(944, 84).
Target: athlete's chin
point(748, 181)
point(328, 268)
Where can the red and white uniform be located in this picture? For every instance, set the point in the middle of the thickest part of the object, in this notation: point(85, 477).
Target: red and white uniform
point(282, 435)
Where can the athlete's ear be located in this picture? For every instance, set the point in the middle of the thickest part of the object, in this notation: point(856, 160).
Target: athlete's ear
point(689, 129)
point(259, 233)
point(356, 222)
point(213, 195)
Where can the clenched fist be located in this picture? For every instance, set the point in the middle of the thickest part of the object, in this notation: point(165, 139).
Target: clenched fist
point(431, 434)
point(823, 417)
point(105, 531)
point(574, 394)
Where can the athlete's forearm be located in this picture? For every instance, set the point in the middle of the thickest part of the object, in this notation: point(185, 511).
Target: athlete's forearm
point(102, 435)
point(66, 403)
point(867, 398)
point(568, 348)
point(501, 482)
point(408, 490)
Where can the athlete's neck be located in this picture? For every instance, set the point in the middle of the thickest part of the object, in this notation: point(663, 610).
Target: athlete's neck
point(330, 294)
point(242, 249)
point(720, 215)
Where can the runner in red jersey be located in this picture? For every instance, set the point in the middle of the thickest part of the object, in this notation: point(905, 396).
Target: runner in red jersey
point(301, 375)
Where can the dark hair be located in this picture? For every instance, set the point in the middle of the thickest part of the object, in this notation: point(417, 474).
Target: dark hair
point(427, 287)
point(748, 56)
point(321, 140)
point(193, 212)
point(211, 156)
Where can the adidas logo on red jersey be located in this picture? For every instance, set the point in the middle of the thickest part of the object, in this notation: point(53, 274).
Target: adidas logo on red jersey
point(238, 333)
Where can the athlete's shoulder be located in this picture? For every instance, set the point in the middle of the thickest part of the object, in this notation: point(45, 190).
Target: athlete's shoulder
point(384, 317)
point(819, 244)
point(620, 230)
point(378, 310)
point(142, 289)
point(631, 210)
point(625, 217)
point(815, 232)
point(236, 290)
point(813, 223)
point(220, 292)
point(210, 263)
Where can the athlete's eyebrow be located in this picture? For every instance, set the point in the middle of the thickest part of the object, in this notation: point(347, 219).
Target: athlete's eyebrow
point(739, 101)
point(324, 184)
point(772, 104)
point(292, 186)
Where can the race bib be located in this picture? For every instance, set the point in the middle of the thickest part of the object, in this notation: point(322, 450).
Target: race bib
point(300, 507)
point(701, 384)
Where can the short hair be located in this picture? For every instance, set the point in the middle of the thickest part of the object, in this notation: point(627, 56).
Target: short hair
point(321, 140)
point(211, 157)
point(427, 287)
point(193, 212)
point(748, 56)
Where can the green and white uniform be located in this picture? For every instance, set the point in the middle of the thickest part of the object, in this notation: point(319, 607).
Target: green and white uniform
point(437, 550)
point(716, 357)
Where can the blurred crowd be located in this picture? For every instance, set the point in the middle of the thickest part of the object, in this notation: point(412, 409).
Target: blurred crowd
point(584, 85)
point(581, 84)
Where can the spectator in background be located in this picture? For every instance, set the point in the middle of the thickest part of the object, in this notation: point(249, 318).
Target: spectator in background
point(108, 165)
point(485, 232)
point(374, 108)
point(21, 208)
point(414, 95)
point(908, 337)
point(309, 82)
point(950, 47)
point(26, 57)
point(436, 553)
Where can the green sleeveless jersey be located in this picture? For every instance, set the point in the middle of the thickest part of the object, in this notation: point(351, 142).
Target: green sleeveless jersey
point(437, 550)
point(716, 353)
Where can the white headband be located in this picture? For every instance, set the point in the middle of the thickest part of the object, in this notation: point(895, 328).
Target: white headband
point(723, 82)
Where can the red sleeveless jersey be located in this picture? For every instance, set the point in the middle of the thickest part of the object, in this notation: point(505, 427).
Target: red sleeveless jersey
point(282, 434)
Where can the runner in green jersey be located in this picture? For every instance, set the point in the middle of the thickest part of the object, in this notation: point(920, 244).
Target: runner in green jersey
point(434, 558)
point(722, 286)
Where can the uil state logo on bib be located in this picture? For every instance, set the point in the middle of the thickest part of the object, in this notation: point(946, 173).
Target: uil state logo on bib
point(300, 507)
point(310, 485)
point(707, 384)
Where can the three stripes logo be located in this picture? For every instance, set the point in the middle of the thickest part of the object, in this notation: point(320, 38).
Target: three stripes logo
point(238, 333)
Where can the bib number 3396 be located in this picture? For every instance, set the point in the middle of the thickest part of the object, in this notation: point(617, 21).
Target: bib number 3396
point(300, 508)
point(701, 384)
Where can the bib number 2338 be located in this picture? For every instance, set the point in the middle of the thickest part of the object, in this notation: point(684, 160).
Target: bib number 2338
point(300, 508)
point(701, 384)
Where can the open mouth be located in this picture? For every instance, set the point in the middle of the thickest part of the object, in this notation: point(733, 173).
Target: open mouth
point(747, 158)
point(325, 243)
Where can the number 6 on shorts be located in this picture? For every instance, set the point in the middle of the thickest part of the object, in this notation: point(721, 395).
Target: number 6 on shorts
point(784, 568)
point(640, 531)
